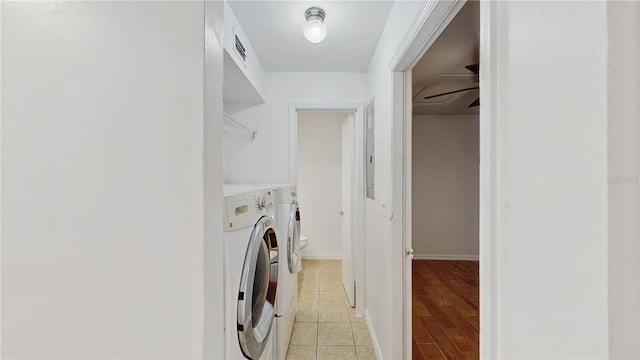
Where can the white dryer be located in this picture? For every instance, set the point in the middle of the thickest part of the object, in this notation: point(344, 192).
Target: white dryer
point(250, 272)
point(288, 223)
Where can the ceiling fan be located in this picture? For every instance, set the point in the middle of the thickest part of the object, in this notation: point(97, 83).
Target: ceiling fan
point(475, 68)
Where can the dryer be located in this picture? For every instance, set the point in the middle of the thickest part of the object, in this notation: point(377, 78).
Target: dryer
point(288, 223)
point(250, 249)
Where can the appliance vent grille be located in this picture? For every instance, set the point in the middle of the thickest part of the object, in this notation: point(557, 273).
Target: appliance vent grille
point(240, 49)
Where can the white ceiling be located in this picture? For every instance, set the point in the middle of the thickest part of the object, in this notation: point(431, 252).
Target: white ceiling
point(274, 29)
point(442, 68)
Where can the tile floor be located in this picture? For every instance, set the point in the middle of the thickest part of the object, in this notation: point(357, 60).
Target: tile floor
point(326, 326)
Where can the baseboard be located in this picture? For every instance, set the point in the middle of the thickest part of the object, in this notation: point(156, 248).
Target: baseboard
point(374, 339)
point(321, 257)
point(446, 257)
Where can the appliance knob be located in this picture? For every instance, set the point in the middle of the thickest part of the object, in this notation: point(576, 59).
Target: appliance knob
point(260, 202)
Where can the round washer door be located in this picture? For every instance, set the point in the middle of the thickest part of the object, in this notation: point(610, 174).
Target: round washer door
point(257, 294)
point(293, 238)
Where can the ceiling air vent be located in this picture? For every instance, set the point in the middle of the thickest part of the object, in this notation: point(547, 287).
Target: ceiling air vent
point(240, 49)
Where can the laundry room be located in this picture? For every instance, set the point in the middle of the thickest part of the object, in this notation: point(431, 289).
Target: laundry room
point(275, 180)
point(283, 134)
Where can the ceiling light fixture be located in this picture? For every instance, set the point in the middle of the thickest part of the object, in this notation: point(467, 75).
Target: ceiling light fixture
point(314, 30)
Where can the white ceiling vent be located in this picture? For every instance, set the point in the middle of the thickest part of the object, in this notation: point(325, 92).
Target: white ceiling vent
point(240, 49)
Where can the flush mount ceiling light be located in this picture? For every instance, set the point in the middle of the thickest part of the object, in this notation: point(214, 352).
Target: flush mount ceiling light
point(314, 30)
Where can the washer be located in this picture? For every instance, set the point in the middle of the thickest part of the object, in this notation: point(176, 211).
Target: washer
point(287, 217)
point(250, 272)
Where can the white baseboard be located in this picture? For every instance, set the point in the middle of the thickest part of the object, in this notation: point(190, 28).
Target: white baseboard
point(321, 257)
point(374, 339)
point(445, 257)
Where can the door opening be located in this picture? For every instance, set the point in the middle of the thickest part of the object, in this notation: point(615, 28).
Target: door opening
point(445, 196)
point(446, 88)
point(327, 166)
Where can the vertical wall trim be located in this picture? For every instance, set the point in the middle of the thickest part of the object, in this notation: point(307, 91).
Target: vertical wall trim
point(623, 170)
point(213, 162)
point(638, 144)
point(407, 218)
point(1, 6)
point(360, 216)
point(488, 181)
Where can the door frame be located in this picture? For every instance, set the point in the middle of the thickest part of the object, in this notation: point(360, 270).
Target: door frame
point(432, 18)
point(347, 138)
point(358, 189)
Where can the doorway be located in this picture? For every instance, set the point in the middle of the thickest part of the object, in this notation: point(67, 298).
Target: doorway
point(445, 195)
point(327, 165)
point(325, 148)
point(432, 21)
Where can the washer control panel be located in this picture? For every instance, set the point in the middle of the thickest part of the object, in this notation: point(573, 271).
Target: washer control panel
point(243, 206)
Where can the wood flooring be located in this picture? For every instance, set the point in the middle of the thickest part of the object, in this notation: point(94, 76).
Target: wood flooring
point(445, 309)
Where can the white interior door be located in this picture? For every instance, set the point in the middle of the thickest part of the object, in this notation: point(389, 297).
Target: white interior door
point(348, 261)
point(407, 210)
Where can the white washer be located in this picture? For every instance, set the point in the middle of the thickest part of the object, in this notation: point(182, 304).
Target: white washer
point(287, 217)
point(250, 272)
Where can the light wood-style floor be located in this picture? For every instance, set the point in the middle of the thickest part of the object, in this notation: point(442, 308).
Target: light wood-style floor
point(445, 309)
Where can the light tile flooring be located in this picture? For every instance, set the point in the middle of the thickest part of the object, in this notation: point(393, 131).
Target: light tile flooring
point(326, 326)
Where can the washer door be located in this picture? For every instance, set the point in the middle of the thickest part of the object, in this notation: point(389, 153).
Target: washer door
point(258, 285)
point(293, 238)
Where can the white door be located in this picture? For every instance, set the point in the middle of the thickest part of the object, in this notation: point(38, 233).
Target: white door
point(348, 261)
point(407, 214)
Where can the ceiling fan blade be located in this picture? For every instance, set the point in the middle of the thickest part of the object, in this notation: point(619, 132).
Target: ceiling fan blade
point(451, 92)
point(476, 102)
point(475, 68)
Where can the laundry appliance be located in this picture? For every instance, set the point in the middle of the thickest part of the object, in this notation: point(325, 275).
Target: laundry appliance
point(288, 224)
point(250, 247)
point(287, 215)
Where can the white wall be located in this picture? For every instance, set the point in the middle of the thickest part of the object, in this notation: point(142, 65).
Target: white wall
point(623, 114)
point(102, 179)
point(551, 205)
point(320, 181)
point(266, 159)
point(384, 270)
point(445, 187)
